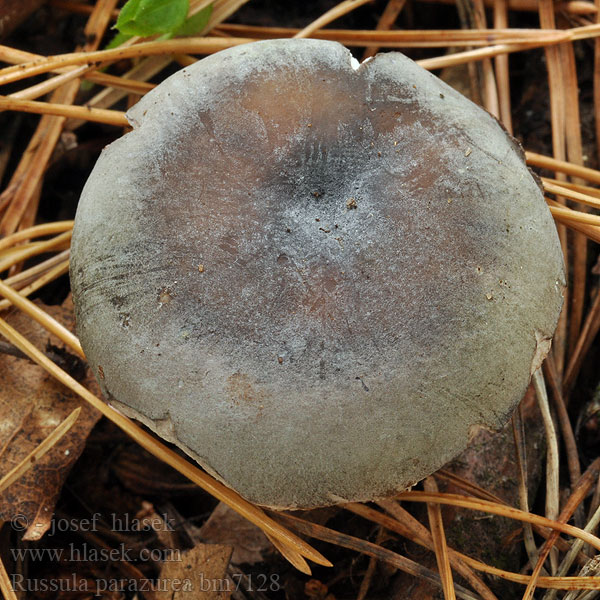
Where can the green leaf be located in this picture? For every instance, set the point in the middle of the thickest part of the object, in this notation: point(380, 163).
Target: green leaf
point(196, 23)
point(149, 17)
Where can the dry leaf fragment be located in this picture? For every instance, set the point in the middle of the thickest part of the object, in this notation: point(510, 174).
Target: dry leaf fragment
point(32, 404)
point(200, 573)
point(225, 526)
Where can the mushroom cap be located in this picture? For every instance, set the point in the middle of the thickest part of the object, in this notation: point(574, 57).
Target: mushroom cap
point(317, 279)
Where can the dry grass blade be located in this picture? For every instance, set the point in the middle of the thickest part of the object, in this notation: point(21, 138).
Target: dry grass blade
point(489, 84)
point(77, 7)
point(218, 490)
point(121, 83)
point(592, 567)
point(23, 278)
point(436, 525)
point(87, 113)
point(37, 453)
point(67, 74)
point(592, 232)
point(501, 510)
point(570, 7)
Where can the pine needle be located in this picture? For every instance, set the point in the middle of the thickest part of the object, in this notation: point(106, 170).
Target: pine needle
point(252, 513)
point(39, 451)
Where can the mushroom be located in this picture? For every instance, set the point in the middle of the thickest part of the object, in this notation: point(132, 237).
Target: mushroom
point(318, 279)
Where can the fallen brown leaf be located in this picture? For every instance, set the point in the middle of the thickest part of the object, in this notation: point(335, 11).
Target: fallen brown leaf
point(32, 404)
point(199, 573)
point(225, 526)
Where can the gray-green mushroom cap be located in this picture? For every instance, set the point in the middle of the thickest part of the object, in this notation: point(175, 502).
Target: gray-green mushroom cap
point(316, 278)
